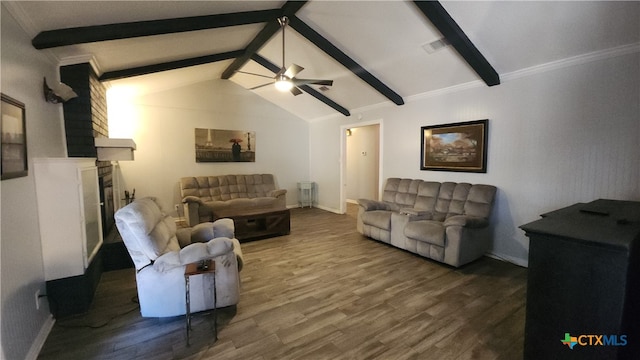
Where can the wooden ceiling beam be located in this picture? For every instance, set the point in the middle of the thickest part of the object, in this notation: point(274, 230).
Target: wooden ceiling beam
point(272, 27)
point(306, 88)
point(440, 18)
point(171, 65)
point(337, 54)
point(87, 34)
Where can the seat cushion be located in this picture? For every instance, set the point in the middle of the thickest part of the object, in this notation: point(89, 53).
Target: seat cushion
point(240, 203)
point(428, 231)
point(378, 218)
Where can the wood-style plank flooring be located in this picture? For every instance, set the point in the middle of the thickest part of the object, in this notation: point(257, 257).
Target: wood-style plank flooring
point(322, 292)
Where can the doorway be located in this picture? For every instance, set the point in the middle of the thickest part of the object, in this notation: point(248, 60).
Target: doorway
point(360, 172)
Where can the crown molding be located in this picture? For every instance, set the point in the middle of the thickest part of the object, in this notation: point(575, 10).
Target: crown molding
point(530, 71)
point(18, 13)
point(27, 25)
point(573, 61)
point(81, 59)
point(535, 70)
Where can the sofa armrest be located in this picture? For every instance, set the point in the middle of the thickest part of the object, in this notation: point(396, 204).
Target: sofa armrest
point(184, 236)
point(238, 251)
point(370, 205)
point(206, 231)
point(190, 205)
point(277, 193)
point(192, 199)
point(466, 221)
point(193, 253)
point(224, 228)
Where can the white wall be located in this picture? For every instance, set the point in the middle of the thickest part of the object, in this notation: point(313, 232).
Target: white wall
point(556, 137)
point(162, 125)
point(23, 68)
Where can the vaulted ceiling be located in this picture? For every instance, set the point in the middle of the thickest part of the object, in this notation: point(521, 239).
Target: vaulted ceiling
point(375, 51)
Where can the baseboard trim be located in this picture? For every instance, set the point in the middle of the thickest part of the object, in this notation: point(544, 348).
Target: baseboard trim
point(507, 258)
point(337, 211)
point(38, 343)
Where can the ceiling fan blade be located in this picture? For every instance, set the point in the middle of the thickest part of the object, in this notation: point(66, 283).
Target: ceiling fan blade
point(293, 70)
point(260, 86)
point(254, 74)
point(295, 91)
point(299, 82)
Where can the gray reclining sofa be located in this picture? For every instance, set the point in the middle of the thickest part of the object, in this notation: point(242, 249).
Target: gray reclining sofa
point(447, 222)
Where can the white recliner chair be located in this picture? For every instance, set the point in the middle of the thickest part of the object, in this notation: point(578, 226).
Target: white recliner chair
point(160, 253)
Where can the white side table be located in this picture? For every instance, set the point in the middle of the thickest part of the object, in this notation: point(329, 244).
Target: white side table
point(306, 193)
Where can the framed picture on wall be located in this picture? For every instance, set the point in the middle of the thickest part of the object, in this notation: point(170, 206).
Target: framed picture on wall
point(225, 145)
point(455, 147)
point(14, 138)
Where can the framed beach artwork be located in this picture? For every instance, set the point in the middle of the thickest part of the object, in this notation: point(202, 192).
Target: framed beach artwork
point(225, 145)
point(455, 147)
point(14, 138)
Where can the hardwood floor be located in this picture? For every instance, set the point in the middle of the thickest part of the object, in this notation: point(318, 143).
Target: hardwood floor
point(322, 292)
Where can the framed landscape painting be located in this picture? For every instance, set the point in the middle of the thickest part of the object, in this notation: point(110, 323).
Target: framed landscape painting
point(14, 138)
point(455, 147)
point(225, 145)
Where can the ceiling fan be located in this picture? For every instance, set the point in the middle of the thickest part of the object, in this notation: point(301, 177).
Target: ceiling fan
point(285, 79)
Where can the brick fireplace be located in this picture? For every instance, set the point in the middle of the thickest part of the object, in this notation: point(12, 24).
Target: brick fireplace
point(85, 118)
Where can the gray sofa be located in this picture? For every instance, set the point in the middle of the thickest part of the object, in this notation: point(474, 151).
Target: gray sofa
point(447, 222)
point(203, 195)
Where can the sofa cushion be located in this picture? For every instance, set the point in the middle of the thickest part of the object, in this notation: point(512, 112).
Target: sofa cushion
point(227, 187)
point(150, 232)
point(480, 200)
point(162, 237)
point(451, 200)
point(427, 195)
point(426, 231)
point(378, 218)
point(458, 199)
point(400, 193)
point(239, 203)
point(228, 204)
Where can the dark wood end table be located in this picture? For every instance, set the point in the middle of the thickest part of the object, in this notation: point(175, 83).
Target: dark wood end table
point(200, 268)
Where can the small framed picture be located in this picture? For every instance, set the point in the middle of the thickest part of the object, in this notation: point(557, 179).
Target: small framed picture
point(455, 147)
point(14, 138)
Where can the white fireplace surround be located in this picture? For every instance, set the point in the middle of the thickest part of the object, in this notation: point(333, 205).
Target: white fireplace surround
point(110, 149)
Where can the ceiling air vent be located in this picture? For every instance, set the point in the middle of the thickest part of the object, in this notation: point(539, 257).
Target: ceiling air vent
point(323, 88)
point(435, 45)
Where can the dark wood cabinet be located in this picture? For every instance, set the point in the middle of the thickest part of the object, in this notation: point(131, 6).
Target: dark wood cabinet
point(584, 282)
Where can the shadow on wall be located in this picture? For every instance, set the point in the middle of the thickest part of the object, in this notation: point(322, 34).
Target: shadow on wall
point(504, 227)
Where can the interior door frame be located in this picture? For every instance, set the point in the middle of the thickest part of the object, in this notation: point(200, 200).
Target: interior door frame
point(343, 157)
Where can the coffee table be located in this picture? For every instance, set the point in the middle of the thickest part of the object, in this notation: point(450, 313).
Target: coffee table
point(258, 223)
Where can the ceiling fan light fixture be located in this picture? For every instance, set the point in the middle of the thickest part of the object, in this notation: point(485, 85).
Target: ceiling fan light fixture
point(283, 83)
